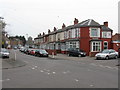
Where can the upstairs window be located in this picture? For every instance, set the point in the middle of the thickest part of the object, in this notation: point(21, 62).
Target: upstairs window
point(94, 32)
point(77, 32)
point(106, 34)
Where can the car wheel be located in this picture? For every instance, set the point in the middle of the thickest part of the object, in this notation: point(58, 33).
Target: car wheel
point(68, 54)
point(96, 58)
point(79, 55)
point(116, 57)
point(107, 57)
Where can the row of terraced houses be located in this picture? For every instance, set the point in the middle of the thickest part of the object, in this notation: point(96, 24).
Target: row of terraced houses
point(87, 35)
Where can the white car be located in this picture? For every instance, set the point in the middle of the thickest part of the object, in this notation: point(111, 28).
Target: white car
point(107, 54)
point(4, 53)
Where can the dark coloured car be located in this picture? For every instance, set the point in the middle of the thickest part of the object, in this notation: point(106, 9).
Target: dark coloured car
point(41, 53)
point(76, 52)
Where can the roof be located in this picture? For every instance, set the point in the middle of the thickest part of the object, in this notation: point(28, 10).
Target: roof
point(86, 23)
point(105, 28)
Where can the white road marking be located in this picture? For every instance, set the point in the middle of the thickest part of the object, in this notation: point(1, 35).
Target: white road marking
point(41, 71)
point(4, 80)
point(48, 73)
point(64, 72)
point(108, 67)
point(76, 80)
point(54, 72)
point(36, 66)
point(33, 68)
point(91, 85)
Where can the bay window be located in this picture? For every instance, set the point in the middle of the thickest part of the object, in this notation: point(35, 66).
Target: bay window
point(95, 46)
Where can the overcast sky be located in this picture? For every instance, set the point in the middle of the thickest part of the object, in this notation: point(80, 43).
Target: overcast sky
point(36, 16)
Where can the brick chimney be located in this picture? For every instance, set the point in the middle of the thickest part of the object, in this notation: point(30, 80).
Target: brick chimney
point(40, 34)
point(76, 21)
point(63, 26)
point(54, 29)
point(49, 31)
point(43, 33)
point(106, 24)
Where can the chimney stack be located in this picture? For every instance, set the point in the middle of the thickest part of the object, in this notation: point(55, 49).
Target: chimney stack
point(43, 33)
point(63, 26)
point(106, 24)
point(76, 21)
point(48, 31)
point(54, 29)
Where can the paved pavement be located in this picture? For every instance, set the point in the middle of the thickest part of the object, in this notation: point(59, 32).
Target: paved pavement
point(40, 72)
point(12, 62)
point(87, 59)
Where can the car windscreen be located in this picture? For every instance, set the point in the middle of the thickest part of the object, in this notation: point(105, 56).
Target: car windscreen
point(4, 50)
point(105, 51)
point(43, 51)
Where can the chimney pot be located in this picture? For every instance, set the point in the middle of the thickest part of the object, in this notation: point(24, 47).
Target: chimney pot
point(48, 30)
point(43, 33)
point(63, 26)
point(106, 24)
point(76, 21)
point(55, 29)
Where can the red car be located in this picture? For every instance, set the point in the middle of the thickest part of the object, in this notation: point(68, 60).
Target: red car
point(32, 51)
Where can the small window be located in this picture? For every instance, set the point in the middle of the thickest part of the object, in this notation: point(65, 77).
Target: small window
point(105, 45)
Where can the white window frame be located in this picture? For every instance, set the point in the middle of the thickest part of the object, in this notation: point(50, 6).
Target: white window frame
point(98, 32)
point(95, 46)
point(107, 34)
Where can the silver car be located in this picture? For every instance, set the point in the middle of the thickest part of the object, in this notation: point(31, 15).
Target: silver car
point(4, 53)
point(107, 54)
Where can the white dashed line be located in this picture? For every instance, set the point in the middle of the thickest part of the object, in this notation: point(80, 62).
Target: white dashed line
point(33, 68)
point(36, 66)
point(91, 85)
point(41, 71)
point(48, 73)
point(76, 80)
point(54, 72)
point(4, 80)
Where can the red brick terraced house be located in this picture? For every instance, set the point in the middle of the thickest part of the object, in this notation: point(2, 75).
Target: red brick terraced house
point(116, 41)
point(87, 35)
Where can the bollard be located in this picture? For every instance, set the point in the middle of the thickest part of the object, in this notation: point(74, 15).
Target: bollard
point(53, 55)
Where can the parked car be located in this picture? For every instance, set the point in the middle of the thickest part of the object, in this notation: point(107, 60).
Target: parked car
point(41, 53)
point(76, 52)
point(4, 53)
point(107, 54)
point(15, 47)
point(119, 52)
point(22, 49)
point(32, 51)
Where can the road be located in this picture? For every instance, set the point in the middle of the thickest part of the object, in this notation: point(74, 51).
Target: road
point(41, 72)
